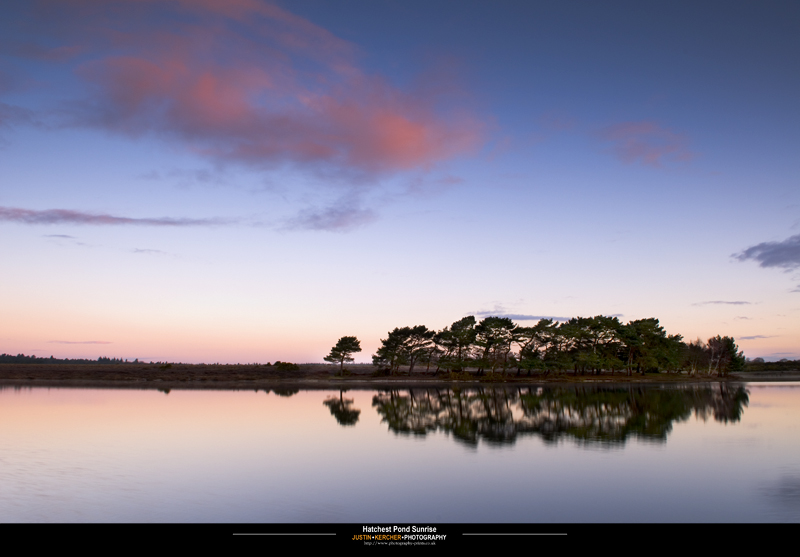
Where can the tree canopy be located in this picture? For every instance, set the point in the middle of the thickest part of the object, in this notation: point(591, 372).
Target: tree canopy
point(581, 345)
point(343, 351)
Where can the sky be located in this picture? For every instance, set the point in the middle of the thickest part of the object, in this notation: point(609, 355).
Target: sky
point(249, 181)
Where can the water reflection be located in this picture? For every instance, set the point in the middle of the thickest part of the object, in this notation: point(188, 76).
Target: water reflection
point(126, 455)
point(587, 414)
point(283, 392)
point(341, 409)
point(785, 496)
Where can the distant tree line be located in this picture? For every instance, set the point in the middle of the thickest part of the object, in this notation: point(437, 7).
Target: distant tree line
point(582, 345)
point(758, 364)
point(23, 359)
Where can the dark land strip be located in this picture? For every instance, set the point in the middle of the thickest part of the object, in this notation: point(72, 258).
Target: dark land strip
point(316, 376)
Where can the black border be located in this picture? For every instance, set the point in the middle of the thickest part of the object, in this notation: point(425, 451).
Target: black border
point(458, 537)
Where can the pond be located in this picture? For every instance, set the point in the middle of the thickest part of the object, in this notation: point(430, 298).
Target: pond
point(707, 453)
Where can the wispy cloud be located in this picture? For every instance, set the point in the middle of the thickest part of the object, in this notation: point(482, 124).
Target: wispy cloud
point(557, 120)
point(646, 142)
point(64, 236)
point(80, 342)
point(149, 251)
point(501, 310)
point(10, 115)
point(38, 52)
point(250, 82)
point(785, 254)
point(185, 177)
point(66, 216)
point(722, 302)
point(337, 218)
point(525, 317)
point(754, 337)
point(519, 316)
point(424, 186)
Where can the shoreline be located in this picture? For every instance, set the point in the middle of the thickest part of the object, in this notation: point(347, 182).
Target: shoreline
point(314, 377)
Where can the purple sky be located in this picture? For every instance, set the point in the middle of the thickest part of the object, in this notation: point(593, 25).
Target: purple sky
point(249, 181)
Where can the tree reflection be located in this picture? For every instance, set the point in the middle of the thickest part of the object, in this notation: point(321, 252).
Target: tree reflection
point(341, 410)
point(587, 414)
point(284, 392)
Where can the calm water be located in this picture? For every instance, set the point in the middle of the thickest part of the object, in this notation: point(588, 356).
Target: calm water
point(711, 454)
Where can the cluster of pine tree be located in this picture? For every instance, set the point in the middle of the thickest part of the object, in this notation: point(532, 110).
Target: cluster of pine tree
point(583, 345)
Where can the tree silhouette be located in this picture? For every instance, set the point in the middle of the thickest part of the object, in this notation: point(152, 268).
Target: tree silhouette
point(343, 351)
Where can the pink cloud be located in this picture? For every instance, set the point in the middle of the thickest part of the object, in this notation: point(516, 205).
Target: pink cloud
point(646, 142)
point(246, 81)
